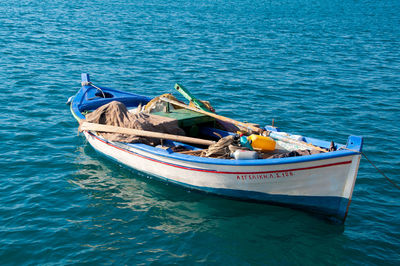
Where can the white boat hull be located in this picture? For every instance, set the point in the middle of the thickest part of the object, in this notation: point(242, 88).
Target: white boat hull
point(323, 185)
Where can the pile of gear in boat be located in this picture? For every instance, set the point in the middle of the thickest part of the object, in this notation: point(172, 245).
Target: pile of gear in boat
point(160, 116)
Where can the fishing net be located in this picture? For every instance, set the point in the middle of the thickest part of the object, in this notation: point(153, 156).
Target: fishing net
point(223, 148)
point(116, 114)
point(157, 105)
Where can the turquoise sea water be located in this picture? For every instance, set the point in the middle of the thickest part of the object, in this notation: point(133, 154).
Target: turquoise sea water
point(326, 69)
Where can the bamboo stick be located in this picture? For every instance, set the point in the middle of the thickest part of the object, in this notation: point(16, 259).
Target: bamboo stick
point(246, 126)
point(142, 133)
point(192, 152)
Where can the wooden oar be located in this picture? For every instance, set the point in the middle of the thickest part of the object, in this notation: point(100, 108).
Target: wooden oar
point(246, 126)
point(186, 93)
point(200, 105)
point(142, 133)
point(192, 152)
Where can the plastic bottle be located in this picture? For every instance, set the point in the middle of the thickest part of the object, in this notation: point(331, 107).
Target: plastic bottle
point(244, 155)
point(262, 143)
point(245, 142)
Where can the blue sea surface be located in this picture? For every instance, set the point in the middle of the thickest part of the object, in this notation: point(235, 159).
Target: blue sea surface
point(321, 68)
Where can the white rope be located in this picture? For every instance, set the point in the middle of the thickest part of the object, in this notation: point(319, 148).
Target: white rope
point(91, 84)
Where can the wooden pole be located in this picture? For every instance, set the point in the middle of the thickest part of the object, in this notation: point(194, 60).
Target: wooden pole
point(142, 133)
point(246, 126)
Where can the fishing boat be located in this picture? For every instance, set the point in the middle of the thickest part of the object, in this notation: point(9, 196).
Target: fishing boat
point(320, 183)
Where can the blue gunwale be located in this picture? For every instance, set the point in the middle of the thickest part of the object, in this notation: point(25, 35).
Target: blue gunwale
point(354, 142)
point(257, 162)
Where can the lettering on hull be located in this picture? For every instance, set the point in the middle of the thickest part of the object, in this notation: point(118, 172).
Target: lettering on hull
point(265, 176)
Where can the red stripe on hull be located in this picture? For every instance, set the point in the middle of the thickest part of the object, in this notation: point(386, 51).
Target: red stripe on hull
point(220, 172)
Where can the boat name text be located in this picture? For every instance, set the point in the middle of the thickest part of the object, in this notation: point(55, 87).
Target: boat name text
point(264, 176)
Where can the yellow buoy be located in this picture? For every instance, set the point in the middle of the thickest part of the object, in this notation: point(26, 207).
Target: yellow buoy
point(262, 143)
